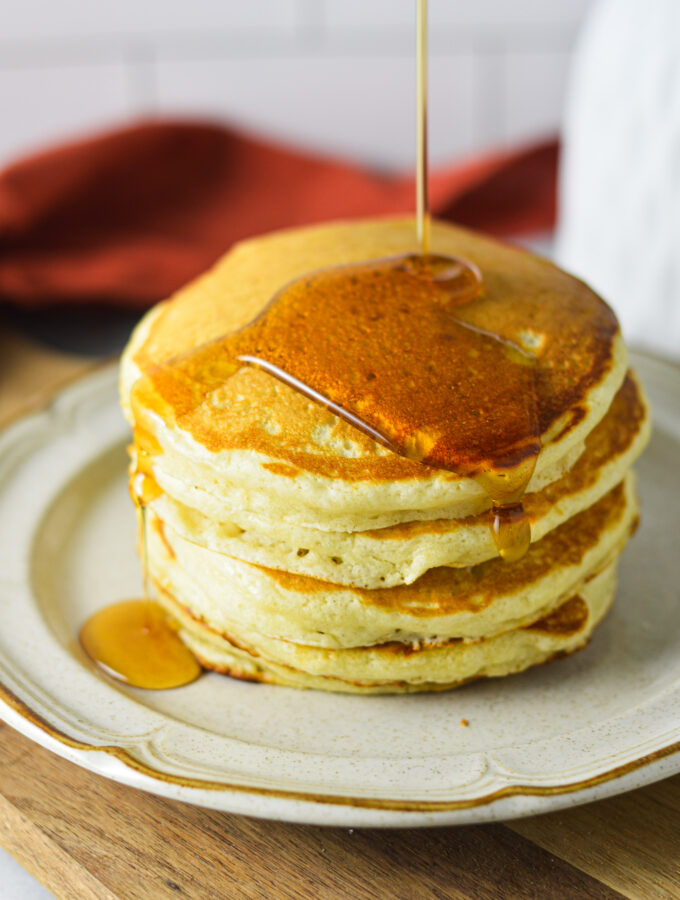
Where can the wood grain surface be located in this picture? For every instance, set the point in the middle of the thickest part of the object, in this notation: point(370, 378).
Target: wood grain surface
point(85, 837)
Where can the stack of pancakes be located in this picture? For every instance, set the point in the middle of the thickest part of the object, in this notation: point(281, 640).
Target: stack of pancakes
point(291, 548)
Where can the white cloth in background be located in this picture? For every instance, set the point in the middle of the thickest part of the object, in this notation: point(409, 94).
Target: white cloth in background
point(619, 223)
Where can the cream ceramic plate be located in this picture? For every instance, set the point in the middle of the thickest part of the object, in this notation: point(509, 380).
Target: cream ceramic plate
point(604, 721)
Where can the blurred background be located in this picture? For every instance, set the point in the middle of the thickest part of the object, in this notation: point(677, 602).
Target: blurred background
point(332, 75)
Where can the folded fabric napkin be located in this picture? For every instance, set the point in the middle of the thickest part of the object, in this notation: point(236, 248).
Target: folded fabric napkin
point(127, 217)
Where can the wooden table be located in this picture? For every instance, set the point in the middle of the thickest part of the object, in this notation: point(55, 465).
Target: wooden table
point(85, 837)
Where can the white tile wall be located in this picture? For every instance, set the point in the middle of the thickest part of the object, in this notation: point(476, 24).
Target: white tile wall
point(298, 98)
point(475, 13)
point(363, 109)
point(31, 19)
point(533, 92)
point(336, 75)
point(41, 104)
point(455, 128)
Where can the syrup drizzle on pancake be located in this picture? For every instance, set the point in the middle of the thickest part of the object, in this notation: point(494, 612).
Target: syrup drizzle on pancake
point(422, 199)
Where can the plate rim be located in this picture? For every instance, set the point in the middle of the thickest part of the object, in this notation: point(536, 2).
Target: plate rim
point(8, 698)
point(391, 812)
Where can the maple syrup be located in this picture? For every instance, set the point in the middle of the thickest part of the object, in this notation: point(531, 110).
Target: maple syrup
point(422, 202)
point(133, 642)
point(143, 485)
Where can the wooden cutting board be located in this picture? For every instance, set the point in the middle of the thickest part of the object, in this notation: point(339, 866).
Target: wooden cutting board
point(85, 837)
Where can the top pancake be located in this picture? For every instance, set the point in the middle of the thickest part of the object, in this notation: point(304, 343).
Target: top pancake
point(263, 436)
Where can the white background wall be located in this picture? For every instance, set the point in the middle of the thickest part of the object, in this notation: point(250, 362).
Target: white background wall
point(337, 75)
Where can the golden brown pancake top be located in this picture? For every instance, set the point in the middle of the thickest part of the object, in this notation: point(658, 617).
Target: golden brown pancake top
point(525, 301)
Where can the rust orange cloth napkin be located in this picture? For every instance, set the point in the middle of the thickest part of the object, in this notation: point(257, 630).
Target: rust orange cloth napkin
point(127, 217)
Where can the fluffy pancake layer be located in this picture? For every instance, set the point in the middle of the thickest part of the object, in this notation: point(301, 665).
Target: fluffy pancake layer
point(237, 598)
point(397, 667)
point(402, 553)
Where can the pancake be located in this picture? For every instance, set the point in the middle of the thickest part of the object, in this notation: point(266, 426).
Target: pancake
point(400, 668)
point(400, 554)
point(292, 547)
point(257, 444)
point(238, 598)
